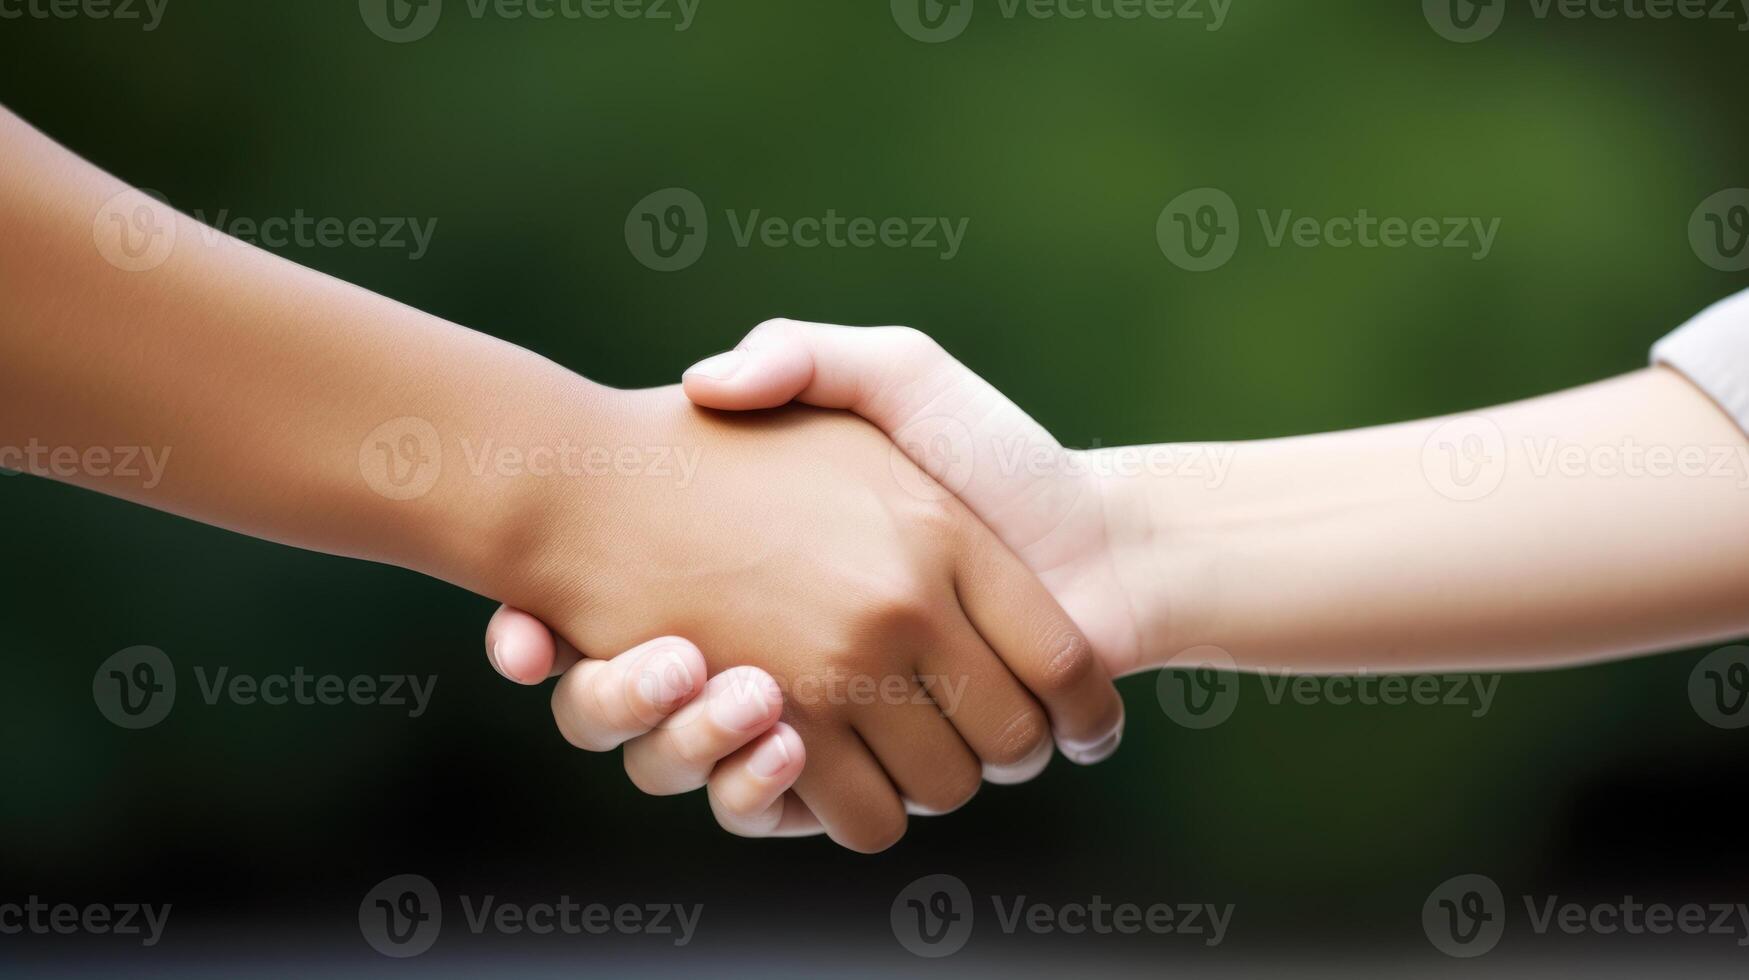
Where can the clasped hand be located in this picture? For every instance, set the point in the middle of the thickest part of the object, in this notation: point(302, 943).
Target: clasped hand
point(846, 642)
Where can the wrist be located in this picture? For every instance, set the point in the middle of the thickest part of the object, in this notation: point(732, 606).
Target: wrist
point(509, 463)
point(1163, 547)
point(581, 496)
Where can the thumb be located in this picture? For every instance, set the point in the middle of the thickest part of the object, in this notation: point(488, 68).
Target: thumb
point(765, 371)
point(523, 649)
point(864, 370)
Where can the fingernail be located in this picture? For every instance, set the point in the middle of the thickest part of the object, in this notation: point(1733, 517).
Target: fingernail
point(720, 367)
point(769, 758)
point(1088, 753)
point(742, 706)
point(672, 681)
point(663, 681)
point(492, 655)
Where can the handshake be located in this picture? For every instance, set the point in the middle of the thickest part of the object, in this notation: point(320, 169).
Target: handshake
point(919, 618)
point(865, 607)
point(918, 599)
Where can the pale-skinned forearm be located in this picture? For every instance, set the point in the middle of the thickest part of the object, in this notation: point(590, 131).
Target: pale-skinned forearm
point(1352, 550)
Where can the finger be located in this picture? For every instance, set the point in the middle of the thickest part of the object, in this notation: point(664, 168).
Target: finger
point(923, 755)
point(522, 649)
point(1017, 617)
point(749, 790)
point(599, 704)
point(847, 790)
point(860, 369)
point(741, 379)
point(737, 706)
point(993, 712)
point(796, 820)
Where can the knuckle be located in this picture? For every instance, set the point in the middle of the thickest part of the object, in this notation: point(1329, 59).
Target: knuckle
point(940, 520)
point(675, 660)
point(878, 834)
point(901, 607)
point(567, 713)
point(581, 737)
point(752, 833)
point(581, 740)
point(596, 691)
point(692, 747)
point(775, 328)
point(750, 823)
point(737, 801)
point(656, 767)
point(637, 698)
point(1019, 739)
point(1069, 662)
point(911, 341)
point(952, 787)
point(650, 779)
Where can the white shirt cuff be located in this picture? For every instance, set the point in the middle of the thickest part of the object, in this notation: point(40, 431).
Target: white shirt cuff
point(1712, 350)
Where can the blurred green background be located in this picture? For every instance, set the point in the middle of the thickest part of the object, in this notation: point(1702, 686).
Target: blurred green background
point(1059, 141)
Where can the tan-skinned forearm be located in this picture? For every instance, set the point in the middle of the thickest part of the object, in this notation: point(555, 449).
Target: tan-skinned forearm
point(1360, 550)
point(257, 380)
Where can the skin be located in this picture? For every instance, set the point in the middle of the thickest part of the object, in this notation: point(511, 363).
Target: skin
point(798, 545)
point(1317, 554)
point(1330, 552)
